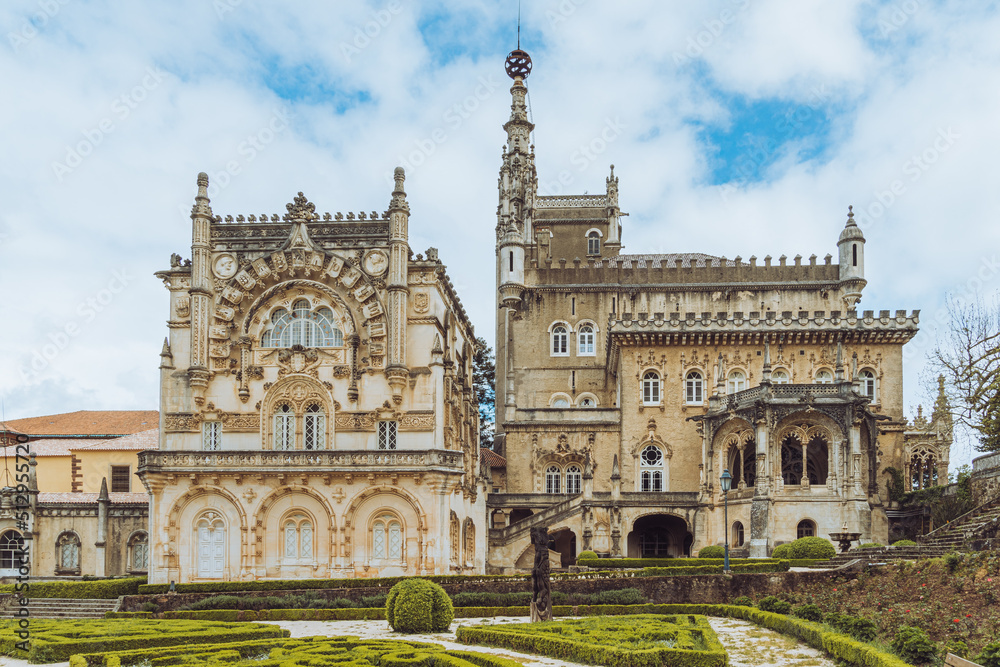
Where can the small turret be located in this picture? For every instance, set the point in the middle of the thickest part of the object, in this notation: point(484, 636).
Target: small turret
point(852, 260)
point(511, 267)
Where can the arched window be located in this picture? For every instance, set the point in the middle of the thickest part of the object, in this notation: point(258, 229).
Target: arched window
point(593, 243)
point(651, 468)
point(560, 341)
point(737, 534)
point(737, 381)
point(138, 552)
point(552, 477)
point(314, 427)
point(585, 341)
point(574, 479)
point(11, 546)
point(560, 401)
point(68, 553)
point(303, 326)
point(780, 376)
point(868, 384)
point(694, 388)
point(395, 540)
point(651, 388)
point(470, 541)
point(284, 427)
point(387, 538)
point(587, 401)
point(456, 547)
point(824, 376)
point(806, 528)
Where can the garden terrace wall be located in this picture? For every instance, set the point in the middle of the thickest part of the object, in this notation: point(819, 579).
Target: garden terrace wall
point(692, 589)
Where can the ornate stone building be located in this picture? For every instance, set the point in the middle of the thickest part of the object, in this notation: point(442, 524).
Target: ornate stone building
point(318, 416)
point(626, 384)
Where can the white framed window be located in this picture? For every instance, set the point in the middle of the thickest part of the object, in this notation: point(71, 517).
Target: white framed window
point(560, 341)
point(560, 402)
point(303, 325)
point(651, 388)
point(694, 388)
point(298, 538)
point(552, 478)
point(587, 401)
point(824, 376)
point(574, 479)
point(284, 427)
point(651, 464)
point(868, 384)
point(737, 381)
point(387, 434)
point(138, 560)
point(593, 243)
point(780, 376)
point(211, 436)
point(585, 341)
point(314, 427)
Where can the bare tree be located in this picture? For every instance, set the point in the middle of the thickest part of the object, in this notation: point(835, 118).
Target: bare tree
point(968, 358)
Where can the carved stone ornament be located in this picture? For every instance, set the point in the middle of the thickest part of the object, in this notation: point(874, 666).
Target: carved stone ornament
point(421, 302)
point(376, 262)
point(183, 308)
point(224, 267)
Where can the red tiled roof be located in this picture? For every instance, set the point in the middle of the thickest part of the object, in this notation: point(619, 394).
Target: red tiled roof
point(52, 447)
point(86, 498)
point(492, 459)
point(135, 442)
point(89, 422)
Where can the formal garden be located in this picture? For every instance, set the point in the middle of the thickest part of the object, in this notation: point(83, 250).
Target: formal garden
point(618, 613)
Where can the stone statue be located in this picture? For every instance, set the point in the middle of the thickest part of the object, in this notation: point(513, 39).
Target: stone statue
point(541, 596)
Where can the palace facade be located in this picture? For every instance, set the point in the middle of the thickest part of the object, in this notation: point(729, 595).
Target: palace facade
point(317, 411)
point(627, 384)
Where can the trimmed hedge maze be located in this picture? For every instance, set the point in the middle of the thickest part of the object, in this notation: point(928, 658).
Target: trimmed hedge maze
point(56, 641)
point(311, 651)
point(624, 641)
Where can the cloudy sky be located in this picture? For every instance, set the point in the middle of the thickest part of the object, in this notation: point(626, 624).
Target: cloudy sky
point(737, 127)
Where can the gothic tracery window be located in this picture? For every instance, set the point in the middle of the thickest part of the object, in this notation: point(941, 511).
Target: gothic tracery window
point(303, 325)
point(138, 552)
point(68, 553)
point(651, 468)
point(298, 538)
point(552, 479)
point(284, 427)
point(574, 479)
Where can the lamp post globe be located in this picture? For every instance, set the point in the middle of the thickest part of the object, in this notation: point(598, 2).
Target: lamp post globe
point(727, 483)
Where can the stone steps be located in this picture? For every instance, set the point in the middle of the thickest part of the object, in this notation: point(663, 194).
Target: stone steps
point(54, 608)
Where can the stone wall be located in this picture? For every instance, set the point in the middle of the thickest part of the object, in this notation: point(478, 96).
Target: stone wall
point(986, 478)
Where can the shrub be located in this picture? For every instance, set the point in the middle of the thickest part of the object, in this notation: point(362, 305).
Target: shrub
point(862, 629)
point(905, 543)
point(586, 554)
point(102, 589)
point(871, 545)
point(713, 551)
point(418, 605)
point(952, 561)
point(958, 647)
point(913, 645)
point(151, 607)
point(838, 621)
point(812, 547)
point(774, 604)
point(809, 612)
point(990, 657)
point(782, 551)
point(743, 601)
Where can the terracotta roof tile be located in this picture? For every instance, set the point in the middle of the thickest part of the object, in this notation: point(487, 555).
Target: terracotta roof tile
point(492, 459)
point(135, 442)
point(53, 446)
point(87, 498)
point(89, 422)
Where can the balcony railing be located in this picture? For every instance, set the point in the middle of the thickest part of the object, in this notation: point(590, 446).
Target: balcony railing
point(346, 460)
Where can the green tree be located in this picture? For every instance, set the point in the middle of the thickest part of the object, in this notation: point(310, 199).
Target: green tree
point(484, 377)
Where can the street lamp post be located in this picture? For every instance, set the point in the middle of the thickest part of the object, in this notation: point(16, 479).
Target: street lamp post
point(727, 483)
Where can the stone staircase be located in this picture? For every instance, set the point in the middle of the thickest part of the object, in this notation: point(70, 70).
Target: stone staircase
point(61, 608)
point(884, 554)
point(954, 536)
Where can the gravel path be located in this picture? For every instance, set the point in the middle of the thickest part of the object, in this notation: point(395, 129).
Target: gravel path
point(750, 645)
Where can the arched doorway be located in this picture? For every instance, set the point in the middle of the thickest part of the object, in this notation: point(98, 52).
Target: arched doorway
point(658, 536)
point(564, 541)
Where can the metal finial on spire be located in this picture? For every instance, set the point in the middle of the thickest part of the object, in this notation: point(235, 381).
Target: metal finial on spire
point(518, 63)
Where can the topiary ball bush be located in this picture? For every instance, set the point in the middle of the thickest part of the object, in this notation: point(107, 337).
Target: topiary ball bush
point(586, 554)
point(782, 551)
point(774, 604)
point(743, 601)
point(418, 605)
point(809, 612)
point(712, 552)
point(904, 543)
point(871, 545)
point(812, 547)
point(913, 645)
point(990, 657)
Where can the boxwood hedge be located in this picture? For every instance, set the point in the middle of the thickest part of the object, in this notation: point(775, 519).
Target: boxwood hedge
point(102, 589)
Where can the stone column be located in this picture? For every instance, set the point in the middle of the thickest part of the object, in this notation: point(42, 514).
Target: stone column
point(804, 481)
point(103, 501)
point(396, 370)
point(761, 505)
